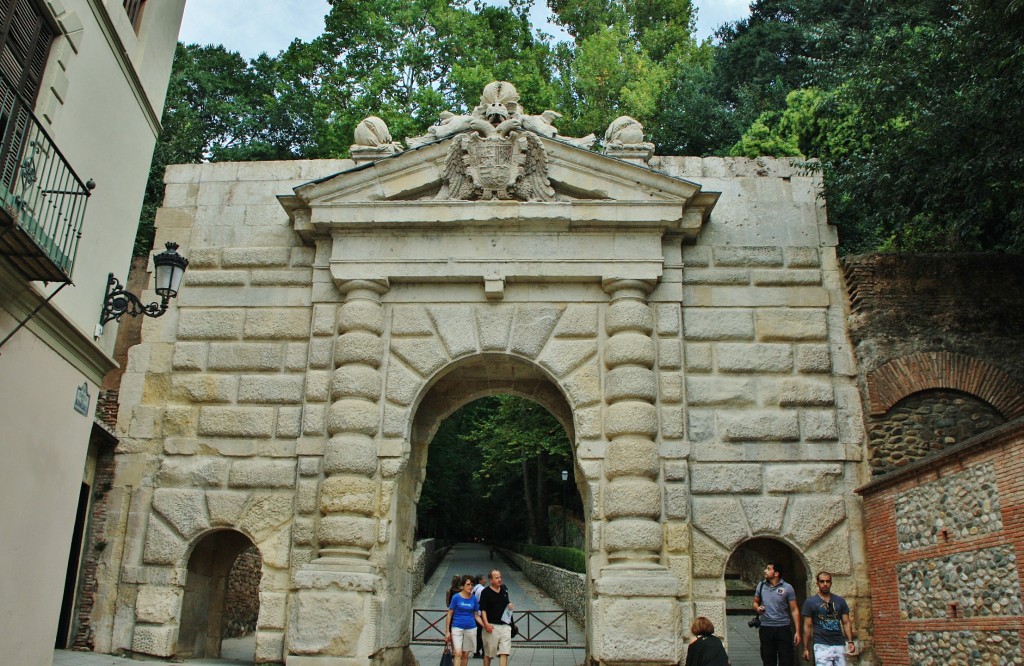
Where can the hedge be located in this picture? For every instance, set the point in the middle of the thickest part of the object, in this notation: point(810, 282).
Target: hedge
point(572, 559)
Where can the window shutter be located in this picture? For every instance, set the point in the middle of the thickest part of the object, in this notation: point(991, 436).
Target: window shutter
point(24, 45)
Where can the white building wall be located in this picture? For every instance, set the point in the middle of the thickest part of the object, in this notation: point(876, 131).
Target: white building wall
point(100, 100)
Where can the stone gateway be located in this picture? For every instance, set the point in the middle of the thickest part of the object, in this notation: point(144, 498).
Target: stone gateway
point(682, 317)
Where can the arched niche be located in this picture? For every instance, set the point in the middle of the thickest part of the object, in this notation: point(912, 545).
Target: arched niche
point(206, 586)
point(744, 570)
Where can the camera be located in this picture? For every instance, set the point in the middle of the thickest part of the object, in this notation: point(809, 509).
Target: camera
point(755, 623)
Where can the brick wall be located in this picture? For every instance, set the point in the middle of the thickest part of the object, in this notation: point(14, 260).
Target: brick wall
point(968, 304)
point(945, 545)
point(94, 545)
point(939, 351)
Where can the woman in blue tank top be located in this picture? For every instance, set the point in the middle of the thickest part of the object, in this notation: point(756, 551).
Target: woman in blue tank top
point(463, 617)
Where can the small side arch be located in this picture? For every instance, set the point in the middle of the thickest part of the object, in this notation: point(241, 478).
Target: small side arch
point(901, 377)
point(744, 570)
point(206, 588)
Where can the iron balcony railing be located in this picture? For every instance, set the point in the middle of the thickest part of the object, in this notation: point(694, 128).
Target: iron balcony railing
point(42, 198)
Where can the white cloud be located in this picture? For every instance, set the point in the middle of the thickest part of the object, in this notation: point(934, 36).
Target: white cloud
point(713, 13)
point(252, 26)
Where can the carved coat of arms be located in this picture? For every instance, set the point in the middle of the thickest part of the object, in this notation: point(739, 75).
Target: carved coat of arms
point(497, 167)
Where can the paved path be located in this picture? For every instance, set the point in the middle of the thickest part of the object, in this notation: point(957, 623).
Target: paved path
point(471, 559)
point(234, 651)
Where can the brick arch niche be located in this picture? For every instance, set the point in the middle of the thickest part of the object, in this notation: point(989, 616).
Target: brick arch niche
point(927, 402)
point(901, 377)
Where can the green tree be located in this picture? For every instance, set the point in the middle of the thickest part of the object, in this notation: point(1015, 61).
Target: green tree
point(927, 142)
point(795, 132)
point(448, 507)
point(624, 55)
point(913, 114)
point(692, 118)
point(505, 453)
point(520, 442)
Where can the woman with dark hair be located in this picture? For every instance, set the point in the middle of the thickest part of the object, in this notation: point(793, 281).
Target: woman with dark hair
point(463, 618)
point(454, 589)
point(705, 648)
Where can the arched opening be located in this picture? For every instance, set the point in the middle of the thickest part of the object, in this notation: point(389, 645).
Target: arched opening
point(481, 376)
point(494, 474)
point(221, 595)
point(744, 571)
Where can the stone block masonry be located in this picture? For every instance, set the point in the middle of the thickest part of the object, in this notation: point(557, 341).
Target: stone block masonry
point(699, 362)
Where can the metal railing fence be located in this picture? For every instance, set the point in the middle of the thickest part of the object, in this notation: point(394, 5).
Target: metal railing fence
point(537, 627)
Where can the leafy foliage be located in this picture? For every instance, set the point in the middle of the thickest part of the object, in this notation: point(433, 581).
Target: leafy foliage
point(488, 461)
point(572, 559)
point(910, 106)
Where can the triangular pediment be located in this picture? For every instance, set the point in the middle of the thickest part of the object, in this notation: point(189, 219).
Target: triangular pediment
point(575, 174)
point(586, 186)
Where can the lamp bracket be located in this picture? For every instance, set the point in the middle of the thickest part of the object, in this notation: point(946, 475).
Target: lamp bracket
point(117, 302)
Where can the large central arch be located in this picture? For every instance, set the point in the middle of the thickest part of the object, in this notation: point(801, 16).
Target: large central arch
point(454, 386)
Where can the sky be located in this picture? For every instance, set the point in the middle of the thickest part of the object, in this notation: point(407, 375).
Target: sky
point(254, 26)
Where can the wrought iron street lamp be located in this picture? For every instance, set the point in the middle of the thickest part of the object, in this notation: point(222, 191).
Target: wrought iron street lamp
point(565, 477)
point(170, 268)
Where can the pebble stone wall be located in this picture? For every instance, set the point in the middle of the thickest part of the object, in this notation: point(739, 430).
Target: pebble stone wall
point(966, 504)
point(944, 536)
point(970, 584)
point(924, 423)
point(964, 648)
point(242, 605)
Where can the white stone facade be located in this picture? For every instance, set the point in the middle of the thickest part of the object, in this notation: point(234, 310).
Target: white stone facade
point(101, 88)
point(329, 323)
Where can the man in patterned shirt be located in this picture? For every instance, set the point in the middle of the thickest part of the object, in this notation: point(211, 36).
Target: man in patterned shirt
point(826, 623)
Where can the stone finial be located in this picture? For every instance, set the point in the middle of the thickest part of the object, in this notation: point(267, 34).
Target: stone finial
point(498, 114)
point(373, 141)
point(499, 93)
point(625, 139)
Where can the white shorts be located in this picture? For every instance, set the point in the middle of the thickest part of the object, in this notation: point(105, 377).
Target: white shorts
point(829, 655)
point(498, 641)
point(464, 640)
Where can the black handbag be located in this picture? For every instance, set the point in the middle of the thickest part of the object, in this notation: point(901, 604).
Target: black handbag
point(446, 657)
point(515, 629)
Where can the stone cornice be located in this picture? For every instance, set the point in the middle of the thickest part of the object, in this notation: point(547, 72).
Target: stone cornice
point(53, 327)
point(558, 215)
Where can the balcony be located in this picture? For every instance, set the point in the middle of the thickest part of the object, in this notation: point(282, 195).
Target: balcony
point(42, 200)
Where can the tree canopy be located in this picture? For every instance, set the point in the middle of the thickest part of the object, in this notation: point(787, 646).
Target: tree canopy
point(490, 470)
point(909, 107)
